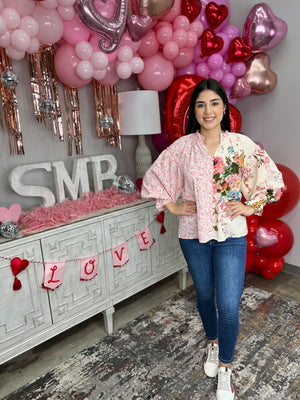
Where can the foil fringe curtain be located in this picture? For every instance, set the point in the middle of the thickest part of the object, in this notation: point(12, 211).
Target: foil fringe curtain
point(10, 109)
point(107, 113)
point(73, 119)
point(44, 86)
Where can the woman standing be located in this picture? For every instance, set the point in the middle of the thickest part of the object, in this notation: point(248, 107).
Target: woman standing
point(210, 168)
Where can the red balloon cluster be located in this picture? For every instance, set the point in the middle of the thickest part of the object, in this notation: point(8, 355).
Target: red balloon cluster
point(270, 239)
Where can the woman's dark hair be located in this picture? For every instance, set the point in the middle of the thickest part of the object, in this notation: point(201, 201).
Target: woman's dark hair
point(207, 84)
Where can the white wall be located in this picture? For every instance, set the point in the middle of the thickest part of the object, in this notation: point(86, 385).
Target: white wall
point(271, 119)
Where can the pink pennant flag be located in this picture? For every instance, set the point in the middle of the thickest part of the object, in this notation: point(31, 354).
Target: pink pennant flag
point(120, 255)
point(88, 268)
point(54, 272)
point(144, 239)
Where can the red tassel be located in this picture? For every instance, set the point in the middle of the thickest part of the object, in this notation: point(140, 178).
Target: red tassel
point(17, 284)
point(162, 229)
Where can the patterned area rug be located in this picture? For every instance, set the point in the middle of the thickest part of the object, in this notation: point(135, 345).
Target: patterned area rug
point(160, 356)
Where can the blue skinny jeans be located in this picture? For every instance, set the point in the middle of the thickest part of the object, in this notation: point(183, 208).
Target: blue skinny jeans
point(218, 272)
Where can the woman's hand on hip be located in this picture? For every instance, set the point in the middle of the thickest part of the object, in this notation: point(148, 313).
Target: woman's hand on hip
point(235, 208)
point(185, 208)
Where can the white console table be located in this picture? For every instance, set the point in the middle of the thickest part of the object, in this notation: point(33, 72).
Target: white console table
point(33, 315)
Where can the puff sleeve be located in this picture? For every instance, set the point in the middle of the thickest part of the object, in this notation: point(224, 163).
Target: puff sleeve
point(163, 181)
point(262, 182)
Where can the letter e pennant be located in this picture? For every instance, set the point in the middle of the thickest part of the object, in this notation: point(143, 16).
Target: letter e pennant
point(144, 239)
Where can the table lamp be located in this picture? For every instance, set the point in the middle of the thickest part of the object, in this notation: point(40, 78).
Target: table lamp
point(140, 115)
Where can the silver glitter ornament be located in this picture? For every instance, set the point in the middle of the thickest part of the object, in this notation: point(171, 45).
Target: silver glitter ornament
point(9, 229)
point(106, 121)
point(47, 106)
point(9, 79)
point(125, 184)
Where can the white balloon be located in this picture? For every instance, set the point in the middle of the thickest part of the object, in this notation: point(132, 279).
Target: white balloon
point(14, 54)
point(99, 60)
point(66, 13)
point(12, 18)
point(99, 74)
point(84, 69)
point(137, 65)
point(83, 50)
point(66, 3)
point(124, 70)
point(29, 25)
point(3, 25)
point(34, 46)
point(5, 39)
point(20, 40)
point(49, 4)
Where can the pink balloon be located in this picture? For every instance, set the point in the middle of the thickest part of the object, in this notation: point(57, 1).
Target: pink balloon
point(226, 68)
point(51, 25)
point(99, 74)
point(184, 58)
point(181, 22)
point(197, 27)
point(75, 31)
point(228, 80)
point(83, 50)
point(216, 74)
point(29, 25)
point(111, 77)
point(65, 63)
point(240, 89)
point(189, 70)
point(197, 53)
point(84, 70)
point(173, 13)
point(14, 54)
point(164, 34)
point(149, 45)
point(170, 50)
point(158, 73)
point(202, 70)
point(127, 41)
point(67, 3)
point(231, 31)
point(180, 37)
point(226, 44)
point(12, 18)
point(106, 9)
point(20, 40)
point(5, 39)
point(66, 13)
point(3, 25)
point(215, 61)
point(238, 69)
point(262, 29)
point(99, 60)
point(23, 7)
point(34, 46)
point(191, 39)
point(49, 4)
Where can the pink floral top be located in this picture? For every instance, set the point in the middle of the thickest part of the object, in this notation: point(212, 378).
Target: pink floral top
point(187, 170)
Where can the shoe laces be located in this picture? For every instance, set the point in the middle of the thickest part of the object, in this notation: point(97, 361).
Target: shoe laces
point(224, 379)
point(213, 354)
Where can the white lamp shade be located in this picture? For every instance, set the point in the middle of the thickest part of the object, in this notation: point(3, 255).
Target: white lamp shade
point(139, 112)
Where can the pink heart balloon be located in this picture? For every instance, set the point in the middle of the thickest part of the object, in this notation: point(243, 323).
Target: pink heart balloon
point(138, 26)
point(262, 29)
point(11, 214)
point(264, 238)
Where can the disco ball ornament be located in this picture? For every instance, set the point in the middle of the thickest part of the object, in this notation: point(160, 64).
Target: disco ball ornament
point(125, 184)
point(9, 229)
point(9, 79)
point(47, 106)
point(106, 121)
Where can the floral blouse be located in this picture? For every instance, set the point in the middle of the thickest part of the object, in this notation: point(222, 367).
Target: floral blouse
point(187, 170)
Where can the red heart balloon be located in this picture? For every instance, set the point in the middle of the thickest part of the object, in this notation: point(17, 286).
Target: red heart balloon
point(210, 43)
point(191, 9)
point(215, 14)
point(177, 104)
point(17, 265)
point(238, 50)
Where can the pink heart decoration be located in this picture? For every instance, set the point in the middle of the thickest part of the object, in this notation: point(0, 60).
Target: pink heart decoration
point(264, 238)
point(262, 29)
point(11, 214)
point(138, 26)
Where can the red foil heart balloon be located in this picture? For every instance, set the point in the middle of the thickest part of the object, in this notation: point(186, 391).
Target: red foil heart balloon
point(191, 9)
point(210, 43)
point(238, 51)
point(215, 14)
point(177, 104)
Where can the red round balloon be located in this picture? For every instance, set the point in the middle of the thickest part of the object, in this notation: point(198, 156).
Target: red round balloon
point(261, 261)
point(256, 270)
point(177, 105)
point(285, 238)
point(275, 265)
point(289, 198)
point(251, 245)
point(268, 274)
point(253, 220)
point(250, 260)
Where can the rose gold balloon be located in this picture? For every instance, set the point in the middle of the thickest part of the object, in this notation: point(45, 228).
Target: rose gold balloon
point(154, 8)
point(259, 74)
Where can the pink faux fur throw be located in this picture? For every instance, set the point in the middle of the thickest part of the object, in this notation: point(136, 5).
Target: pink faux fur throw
point(42, 218)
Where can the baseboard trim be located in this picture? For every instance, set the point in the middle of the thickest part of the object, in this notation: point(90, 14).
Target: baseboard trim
point(291, 269)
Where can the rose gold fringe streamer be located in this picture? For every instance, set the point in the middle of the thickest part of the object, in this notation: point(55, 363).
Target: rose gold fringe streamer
point(73, 119)
point(107, 113)
point(44, 86)
point(10, 109)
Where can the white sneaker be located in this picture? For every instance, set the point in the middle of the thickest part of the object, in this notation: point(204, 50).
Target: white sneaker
point(211, 362)
point(225, 389)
